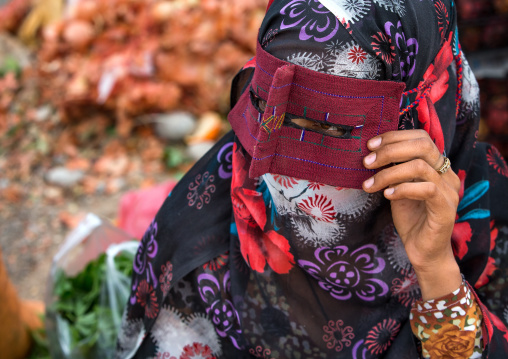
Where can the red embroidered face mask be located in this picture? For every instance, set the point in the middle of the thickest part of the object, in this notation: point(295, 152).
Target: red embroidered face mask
point(305, 124)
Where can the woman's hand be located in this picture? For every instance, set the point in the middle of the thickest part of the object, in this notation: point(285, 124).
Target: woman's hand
point(424, 204)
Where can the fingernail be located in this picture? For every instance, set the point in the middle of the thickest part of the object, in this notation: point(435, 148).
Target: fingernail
point(375, 142)
point(369, 183)
point(370, 159)
point(389, 191)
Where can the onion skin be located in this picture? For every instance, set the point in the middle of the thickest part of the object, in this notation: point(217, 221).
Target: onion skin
point(164, 55)
point(86, 10)
point(78, 34)
point(162, 11)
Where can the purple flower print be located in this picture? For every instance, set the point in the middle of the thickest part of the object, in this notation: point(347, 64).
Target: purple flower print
point(147, 250)
point(407, 49)
point(321, 26)
point(343, 274)
point(142, 265)
point(222, 311)
point(225, 158)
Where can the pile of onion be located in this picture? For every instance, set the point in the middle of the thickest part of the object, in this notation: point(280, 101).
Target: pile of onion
point(136, 57)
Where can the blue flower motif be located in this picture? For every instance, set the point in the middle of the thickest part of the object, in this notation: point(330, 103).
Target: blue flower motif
point(471, 195)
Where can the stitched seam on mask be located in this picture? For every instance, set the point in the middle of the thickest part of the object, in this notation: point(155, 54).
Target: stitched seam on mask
point(260, 88)
point(331, 95)
point(326, 93)
point(294, 139)
point(325, 113)
point(381, 115)
point(363, 117)
point(324, 146)
point(323, 93)
point(317, 163)
point(247, 123)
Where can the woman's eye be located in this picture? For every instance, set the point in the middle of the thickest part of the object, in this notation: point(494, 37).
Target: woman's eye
point(261, 105)
point(333, 130)
point(257, 102)
point(320, 127)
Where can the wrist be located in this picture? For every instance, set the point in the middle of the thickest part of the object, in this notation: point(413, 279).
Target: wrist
point(439, 281)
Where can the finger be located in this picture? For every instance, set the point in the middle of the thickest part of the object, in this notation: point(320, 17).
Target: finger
point(453, 181)
point(439, 202)
point(403, 151)
point(395, 136)
point(412, 171)
point(449, 176)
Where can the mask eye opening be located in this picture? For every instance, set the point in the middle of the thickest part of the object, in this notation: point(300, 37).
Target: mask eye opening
point(321, 127)
point(258, 103)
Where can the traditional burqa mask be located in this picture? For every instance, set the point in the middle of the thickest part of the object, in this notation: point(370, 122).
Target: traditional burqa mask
point(301, 123)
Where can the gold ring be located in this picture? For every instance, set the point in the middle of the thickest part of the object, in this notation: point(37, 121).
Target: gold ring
point(445, 167)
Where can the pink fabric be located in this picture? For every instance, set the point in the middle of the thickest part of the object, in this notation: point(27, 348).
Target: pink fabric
point(138, 208)
point(371, 106)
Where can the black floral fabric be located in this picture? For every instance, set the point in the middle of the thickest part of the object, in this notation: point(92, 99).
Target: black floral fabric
point(279, 267)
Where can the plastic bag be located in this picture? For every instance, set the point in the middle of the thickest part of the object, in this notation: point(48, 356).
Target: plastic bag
point(88, 288)
point(138, 208)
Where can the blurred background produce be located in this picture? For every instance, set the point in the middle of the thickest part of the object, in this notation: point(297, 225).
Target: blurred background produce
point(100, 103)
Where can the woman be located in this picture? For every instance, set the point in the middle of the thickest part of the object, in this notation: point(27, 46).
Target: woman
point(316, 229)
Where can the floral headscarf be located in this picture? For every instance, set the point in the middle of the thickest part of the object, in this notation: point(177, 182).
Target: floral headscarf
point(235, 266)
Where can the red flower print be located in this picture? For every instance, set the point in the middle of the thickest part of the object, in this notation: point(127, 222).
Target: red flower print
point(497, 161)
point(337, 336)
point(442, 17)
point(146, 297)
point(383, 47)
point(406, 289)
point(498, 323)
point(166, 277)
point(381, 336)
point(461, 235)
point(257, 246)
point(490, 268)
point(259, 352)
point(217, 262)
point(197, 350)
point(491, 321)
point(346, 25)
point(357, 55)
point(315, 186)
point(462, 178)
point(493, 235)
point(319, 207)
point(437, 77)
point(284, 181)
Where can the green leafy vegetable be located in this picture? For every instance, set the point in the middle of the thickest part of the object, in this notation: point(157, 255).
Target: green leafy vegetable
point(84, 309)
